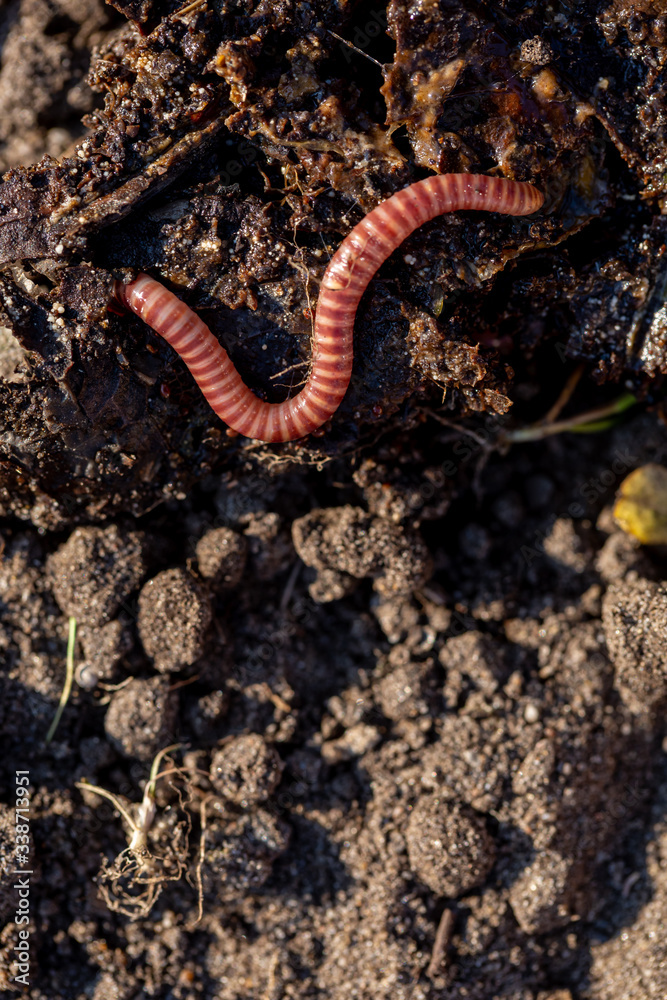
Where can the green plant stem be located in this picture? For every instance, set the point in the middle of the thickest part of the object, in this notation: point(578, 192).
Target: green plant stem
point(69, 677)
point(154, 775)
point(584, 423)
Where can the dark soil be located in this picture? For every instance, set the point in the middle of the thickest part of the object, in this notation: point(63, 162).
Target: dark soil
point(416, 673)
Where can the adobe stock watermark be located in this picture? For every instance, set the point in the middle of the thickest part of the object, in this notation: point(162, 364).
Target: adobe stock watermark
point(246, 154)
point(23, 872)
point(362, 37)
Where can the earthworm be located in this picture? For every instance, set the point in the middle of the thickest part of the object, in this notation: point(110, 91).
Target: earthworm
point(345, 280)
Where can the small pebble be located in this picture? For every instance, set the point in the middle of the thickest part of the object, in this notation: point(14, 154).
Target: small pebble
point(531, 713)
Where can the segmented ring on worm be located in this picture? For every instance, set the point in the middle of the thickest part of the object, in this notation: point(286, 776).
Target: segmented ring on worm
point(345, 280)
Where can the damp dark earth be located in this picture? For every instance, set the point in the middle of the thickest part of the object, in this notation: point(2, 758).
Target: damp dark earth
point(378, 713)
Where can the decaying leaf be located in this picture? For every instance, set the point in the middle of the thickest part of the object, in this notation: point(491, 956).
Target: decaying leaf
point(641, 507)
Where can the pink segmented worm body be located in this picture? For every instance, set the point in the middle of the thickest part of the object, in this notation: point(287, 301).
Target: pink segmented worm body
point(345, 280)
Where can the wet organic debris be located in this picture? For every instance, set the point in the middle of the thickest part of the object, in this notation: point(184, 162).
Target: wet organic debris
point(236, 148)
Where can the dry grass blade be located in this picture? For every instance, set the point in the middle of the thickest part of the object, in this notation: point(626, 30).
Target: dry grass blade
point(69, 676)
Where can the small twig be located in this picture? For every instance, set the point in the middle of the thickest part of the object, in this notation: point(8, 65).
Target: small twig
point(482, 442)
point(564, 396)
point(14, 218)
point(184, 683)
point(69, 676)
point(443, 936)
point(354, 47)
point(195, 5)
point(275, 699)
point(291, 368)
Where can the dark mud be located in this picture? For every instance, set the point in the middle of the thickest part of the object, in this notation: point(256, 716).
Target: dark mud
point(416, 672)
